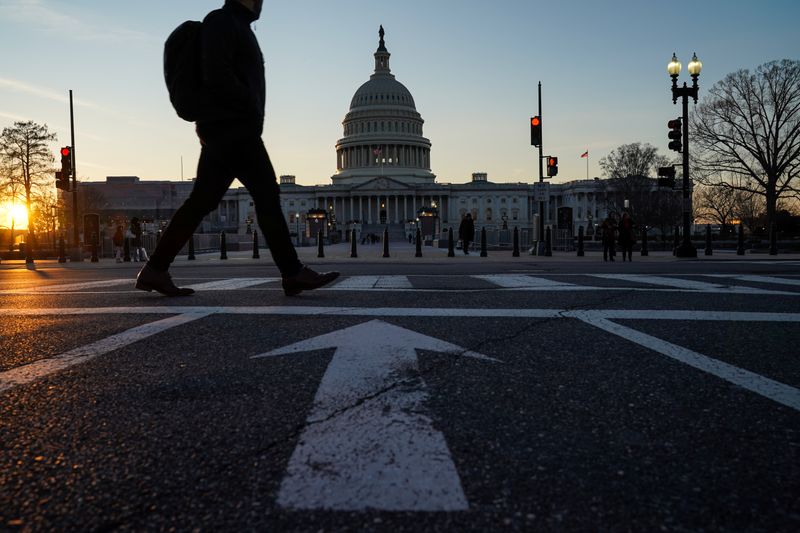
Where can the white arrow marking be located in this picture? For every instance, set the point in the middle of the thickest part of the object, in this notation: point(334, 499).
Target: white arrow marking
point(367, 443)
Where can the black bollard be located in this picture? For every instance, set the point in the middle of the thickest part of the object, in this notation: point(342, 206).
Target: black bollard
point(451, 247)
point(740, 243)
point(386, 242)
point(223, 246)
point(94, 259)
point(548, 243)
point(126, 250)
point(158, 237)
point(709, 249)
point(62, 250)
point(256, 255)
point(515, 252)
point(677, 240)
point(353, 244)
point(773, 240)
point(484, 253)
point(580, 242)
point(419, 243)
point(191, 248)
point(29, 250)
point(320, 245)
point(645, 251)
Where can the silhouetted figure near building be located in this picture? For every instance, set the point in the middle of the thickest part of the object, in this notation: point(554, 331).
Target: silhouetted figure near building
point(139, 253)
point(608, 230)
point(229, 126)
point(466, 232)
point(118, 240)
point(627, 236)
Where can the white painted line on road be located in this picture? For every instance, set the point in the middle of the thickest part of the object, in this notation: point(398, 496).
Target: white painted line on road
point(772, 280)
point(44, 367)
point(368, 443)
point(70, 287)
point(231, 284)
point(684, 284)
point(372, 282)
point(516, 281)
point(768, 388)
point(456, 312)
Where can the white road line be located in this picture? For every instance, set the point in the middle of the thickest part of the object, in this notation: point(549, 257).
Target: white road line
point(768, 388)
point(231, 284)
point(372, 282)
point(679, 283)
point(759, 279)
point(39, 369)
point(611, 314)
point(517, 281)
point(70, 287)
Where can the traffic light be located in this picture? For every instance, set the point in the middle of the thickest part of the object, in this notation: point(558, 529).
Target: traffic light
point(62, 176)
point(675, 134)
point(536, 131)
point(552, 166)
point(666, 177)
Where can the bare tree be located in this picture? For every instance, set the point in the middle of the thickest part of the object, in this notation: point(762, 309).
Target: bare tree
point(23, 147)
point(746, 132)
point(717, 205)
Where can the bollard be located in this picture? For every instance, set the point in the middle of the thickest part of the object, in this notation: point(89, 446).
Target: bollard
point(709, 250)
point(484, 253)
point(677, 240)
point(419, 243)
point(256, 255)
point(159, 233)
point(645, 251)
point(353, 249)
point(386, 242)
point(320, 245)
point(515, 253)
point(773, 240)
point(451, 247)
point(94, 258)
point(548, 243)
point(740, 243)
point(580, 242)
point(191, 248)
point(223, 246)
point(62, 250)
point(126, 250)
point(29, 250)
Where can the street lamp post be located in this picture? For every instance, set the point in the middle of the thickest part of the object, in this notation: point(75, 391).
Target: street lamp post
point(674, 69)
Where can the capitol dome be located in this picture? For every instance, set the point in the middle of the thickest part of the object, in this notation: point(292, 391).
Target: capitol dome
point(383, 131)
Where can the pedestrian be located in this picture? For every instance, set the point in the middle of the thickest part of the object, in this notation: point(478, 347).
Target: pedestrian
point(466, 232)
point(608, 230)
point(627, 236)
point(229, 125)
point(139, 253)
point(118, 240)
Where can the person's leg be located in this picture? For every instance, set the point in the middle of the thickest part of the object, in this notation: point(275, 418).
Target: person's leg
point(214, 176)
point(255, 171)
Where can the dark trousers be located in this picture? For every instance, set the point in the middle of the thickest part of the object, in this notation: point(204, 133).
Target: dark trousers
point(609, 251)
point(227, 155)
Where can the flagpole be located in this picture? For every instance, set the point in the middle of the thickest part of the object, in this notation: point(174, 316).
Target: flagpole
point(587, 164)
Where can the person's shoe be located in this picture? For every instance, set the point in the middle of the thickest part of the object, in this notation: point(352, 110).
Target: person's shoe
point(307, 280)
point(150, 280)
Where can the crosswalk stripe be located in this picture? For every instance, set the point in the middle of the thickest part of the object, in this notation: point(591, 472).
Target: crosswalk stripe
point(760, 279)
point(231, 284)
point(373, 282)
point(678, 283)
point(517, 282)
point(71, 287)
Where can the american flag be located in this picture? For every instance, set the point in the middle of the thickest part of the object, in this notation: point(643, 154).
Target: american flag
point(585, 154)
point(377, 151)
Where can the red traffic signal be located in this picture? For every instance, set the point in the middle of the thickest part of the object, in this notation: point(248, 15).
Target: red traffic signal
point(536, 131)
point(552, 166)
point(675, 134)
point(66, 151)
point(66, 162)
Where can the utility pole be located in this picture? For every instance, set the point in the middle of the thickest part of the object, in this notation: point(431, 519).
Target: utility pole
point(77, 255)
point(540, 245)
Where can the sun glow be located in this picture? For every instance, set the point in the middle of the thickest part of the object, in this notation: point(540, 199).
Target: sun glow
point(16, 213)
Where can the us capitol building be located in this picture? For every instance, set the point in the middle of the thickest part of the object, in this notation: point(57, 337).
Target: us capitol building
point(383, 178)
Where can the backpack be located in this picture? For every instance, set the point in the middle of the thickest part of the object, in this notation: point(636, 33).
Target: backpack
point(183, 70)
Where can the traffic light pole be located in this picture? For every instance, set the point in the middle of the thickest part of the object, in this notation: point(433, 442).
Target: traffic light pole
point(686, 249)
point(76, 251)
point(540, 244)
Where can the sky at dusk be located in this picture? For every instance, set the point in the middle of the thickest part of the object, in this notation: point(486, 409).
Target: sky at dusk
point(472, 67)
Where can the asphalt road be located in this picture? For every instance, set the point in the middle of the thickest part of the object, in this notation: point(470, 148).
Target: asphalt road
point(440, 394)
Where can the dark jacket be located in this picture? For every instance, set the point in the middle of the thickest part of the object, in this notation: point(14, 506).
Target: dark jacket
point(233, 69)
point(466, 231)
point(627, 235)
